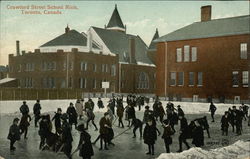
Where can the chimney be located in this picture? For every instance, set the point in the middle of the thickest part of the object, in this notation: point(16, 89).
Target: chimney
point(23, 52)
point(37, 50)
point(67, 29)
point(17, 48)
point(132, 50)
point(206, 12)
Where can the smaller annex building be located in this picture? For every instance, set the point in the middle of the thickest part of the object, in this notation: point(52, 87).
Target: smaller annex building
point(205, 61)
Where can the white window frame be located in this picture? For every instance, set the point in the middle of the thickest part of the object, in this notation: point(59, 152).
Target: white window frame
point(182, 79)
point(189, 75)
point(186, 53)
point(245, 78)
point(198, 79)
point(94, 83)
point(243, 51)
point(172, 73)
point(95, 67)
point(234, 73)
point(179, 55)
point(194, 54)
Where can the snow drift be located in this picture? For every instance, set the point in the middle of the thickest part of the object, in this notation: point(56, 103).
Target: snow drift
point(239, 150)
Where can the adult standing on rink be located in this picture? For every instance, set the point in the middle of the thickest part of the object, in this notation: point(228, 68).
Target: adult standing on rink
point(71, 111)
point(105, 124)
point(79, 108)
point(37, 111)
point(67, 138)
point(150, 136)
point(24, 109)
point(100, 103)
point(183, 133)
point(212, 109)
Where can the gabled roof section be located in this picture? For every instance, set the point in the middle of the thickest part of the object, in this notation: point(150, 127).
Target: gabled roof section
point(72, 37)
point(118, 43)
point(152, 45)
point(115, 20)
point(214, 28)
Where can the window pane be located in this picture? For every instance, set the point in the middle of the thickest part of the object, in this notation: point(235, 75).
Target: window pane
point(178, 55)
point(194, 54)
point(243, 51)
point(245, 79)
point(186, 53)
point(180, 78)
point(172, 78)
point(191, 78)
point(199, 78)
point(235, 79)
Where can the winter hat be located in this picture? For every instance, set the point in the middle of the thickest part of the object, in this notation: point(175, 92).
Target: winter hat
point(59, 109)
point(147, 107)
point(16, 120)
point(178, 106)
point(80, 127)
point(106, 113)
point(70, 103)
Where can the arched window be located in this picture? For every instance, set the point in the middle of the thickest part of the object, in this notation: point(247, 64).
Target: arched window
point(143, 81)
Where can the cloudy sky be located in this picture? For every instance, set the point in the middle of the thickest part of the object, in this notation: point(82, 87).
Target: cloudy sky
point(140, 17)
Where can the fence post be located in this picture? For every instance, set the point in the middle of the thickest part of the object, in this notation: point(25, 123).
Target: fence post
point(1, 95)
point(37, 94)
point(48, 94)
point(57, 95)
point(67, 94)
point(14, 95)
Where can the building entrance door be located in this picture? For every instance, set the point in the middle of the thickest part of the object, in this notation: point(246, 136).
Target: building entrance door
point(195, 98)
point(236, 99)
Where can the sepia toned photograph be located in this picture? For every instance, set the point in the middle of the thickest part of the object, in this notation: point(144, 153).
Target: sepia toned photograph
point(124, 79)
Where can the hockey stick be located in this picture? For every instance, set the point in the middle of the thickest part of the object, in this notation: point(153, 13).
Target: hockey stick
point(121, 133)
point(59, 150)
point(114, 120)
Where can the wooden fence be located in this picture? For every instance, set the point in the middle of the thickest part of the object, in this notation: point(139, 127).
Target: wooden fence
point(33, 94)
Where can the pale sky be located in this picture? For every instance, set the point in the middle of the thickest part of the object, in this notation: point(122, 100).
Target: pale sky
point(140, 17)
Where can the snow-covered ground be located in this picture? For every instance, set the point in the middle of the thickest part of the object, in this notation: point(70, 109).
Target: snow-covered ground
point(10, 107)
point(126, 146)
point(239, 150)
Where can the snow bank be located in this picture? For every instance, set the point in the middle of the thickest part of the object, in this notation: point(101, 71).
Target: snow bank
point(239, 150)
point(10, 107)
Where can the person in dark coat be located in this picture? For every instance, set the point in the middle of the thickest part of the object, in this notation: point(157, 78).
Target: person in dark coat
point(198, 135)
point(105, 124)
point(225, 123)
point(131, 114)
point(137, 123)
point(67, 138)
point(24, 124)
point(24, 109)
point(167, 133)
point(156, 109)
point(183, 133)
point(44, 130)
point(71, 111)
point(85, 146)
point(150, 136)
point(111, 105)
point(245, 110)
point(100, 103)
point(120, 111)
point(37, 111)
point(212, 109)
point(14, 134)
point(239, 118)
point(161, 111)
point(148, 114)
point(91, 117)
point(204, 123)
point(57, 118)
point(180, 111)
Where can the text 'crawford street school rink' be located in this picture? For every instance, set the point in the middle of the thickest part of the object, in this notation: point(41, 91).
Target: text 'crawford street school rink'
point(126, 147)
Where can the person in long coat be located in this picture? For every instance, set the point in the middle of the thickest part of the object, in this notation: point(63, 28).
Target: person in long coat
point(79, 108)
point(183, 133)
point(150, 136)
point(44, 130)
point(131, 114)
point(37, 111)
point(71, 111)
point(120, 111)
point(167, 133)
point(100, 103)
point(161, 111)
point(14, 134)
point(24, 109)
point(57, 118)
point(105, 124)
point(198, 135)
point(225, 123)
point(212, 109)
point(24, 124)
point(85, 146)
point(67, 138)
point(91, 117)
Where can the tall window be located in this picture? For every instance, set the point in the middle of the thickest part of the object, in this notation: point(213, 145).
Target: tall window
point(180, 78)
point(94, 67)
point(30, 67)
point(191, 79)
point(71, 65)
point(143, 81)
point(113, 70)
point(84, 66)
point(20, 68)
point(28, 82)
point(245, 79)
point(243, 50)
point(235, 79)
point(178, 55)
point(82, 82)
point(94, 83)
point(194, 54)
point(64, 65)
point(48, 66)
point(107, 68)
point(172, 78)
point(199, 79)
point(103, 67)
point(186, 53)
